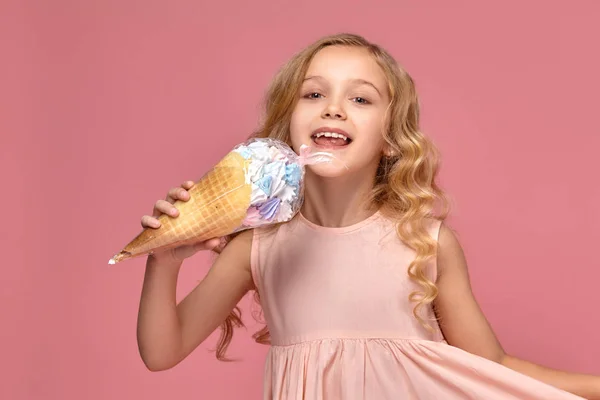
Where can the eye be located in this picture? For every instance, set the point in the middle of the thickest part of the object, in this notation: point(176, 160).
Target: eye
point(313, 95)
point(360, 100)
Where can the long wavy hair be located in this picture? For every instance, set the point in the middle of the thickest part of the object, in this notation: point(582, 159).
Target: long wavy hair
point(405, 188)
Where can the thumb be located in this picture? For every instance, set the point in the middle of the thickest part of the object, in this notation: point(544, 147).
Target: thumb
point(207, 245)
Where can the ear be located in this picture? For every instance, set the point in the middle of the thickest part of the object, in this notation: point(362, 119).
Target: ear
point(387, 151)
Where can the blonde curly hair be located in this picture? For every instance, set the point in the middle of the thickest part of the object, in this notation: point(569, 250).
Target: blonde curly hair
point(405, 189)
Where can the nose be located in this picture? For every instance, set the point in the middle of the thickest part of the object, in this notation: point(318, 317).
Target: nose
point(333, 111)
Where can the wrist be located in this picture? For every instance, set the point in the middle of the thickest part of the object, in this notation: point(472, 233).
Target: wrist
point(164, 262)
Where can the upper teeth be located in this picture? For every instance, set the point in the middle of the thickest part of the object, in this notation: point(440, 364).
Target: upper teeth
point(331, 134)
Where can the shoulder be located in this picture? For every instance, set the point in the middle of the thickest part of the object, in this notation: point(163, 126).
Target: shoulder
point(231, 266)
point(450, 254)
point(245, 237)
point(447, 237)
point(238, 249)
point(239, 240)
point(261, 245)
point(266, 235)
point(432, 226)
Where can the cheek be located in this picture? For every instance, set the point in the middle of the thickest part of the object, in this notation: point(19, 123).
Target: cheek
point(294, 129)
point(372, 122)
point(372, 128)
point(298, 129)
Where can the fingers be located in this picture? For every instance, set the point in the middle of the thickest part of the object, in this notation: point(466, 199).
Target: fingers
point(150, 222)
point(174, 194)
point(166, 206)
point(207, 245)
point(180, 193)
point(185, 251)
point(177, 193)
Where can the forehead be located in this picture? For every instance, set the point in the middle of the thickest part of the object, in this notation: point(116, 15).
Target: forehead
point(338, 63)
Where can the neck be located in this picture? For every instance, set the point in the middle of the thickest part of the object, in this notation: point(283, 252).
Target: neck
point(337, 202)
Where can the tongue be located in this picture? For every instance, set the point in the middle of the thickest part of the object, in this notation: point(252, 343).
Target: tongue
point(330, 141)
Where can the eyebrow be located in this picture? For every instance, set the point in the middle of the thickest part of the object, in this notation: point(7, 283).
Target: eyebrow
point(357, 80)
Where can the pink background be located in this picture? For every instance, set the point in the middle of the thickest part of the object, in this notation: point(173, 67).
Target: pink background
point(106, 104)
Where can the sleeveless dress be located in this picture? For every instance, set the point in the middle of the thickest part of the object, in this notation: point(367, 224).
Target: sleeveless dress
point(336, 304)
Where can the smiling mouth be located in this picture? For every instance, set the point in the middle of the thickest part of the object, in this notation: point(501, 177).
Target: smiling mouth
point(330, 139)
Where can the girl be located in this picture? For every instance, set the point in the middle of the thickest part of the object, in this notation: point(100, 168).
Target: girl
point(354, 286)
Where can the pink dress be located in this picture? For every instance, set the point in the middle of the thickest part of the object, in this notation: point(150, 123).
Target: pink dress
point(336, 303)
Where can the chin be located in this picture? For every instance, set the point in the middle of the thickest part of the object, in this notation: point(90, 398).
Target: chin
point(330, 170)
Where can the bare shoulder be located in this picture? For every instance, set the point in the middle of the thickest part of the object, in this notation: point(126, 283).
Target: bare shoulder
point(237, 253)
point(244, 238)
point(232, 265)
point(462, 322)
point(448, 239)
point(450, 255)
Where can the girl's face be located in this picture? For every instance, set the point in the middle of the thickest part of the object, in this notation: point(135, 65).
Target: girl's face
point(341, 110)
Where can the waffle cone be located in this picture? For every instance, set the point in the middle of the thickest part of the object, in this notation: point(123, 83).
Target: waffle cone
point(217, 206)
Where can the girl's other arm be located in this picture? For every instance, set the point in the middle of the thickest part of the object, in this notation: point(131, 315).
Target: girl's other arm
point(168, 332)
point(464, 325)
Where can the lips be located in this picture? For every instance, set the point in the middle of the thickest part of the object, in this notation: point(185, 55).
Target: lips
point(330, 137)
point(328, 131)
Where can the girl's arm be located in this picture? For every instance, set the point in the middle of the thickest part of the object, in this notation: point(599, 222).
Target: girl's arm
point(464, 325)
point(168, 332)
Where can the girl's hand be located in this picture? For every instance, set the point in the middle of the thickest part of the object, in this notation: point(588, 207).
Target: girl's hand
point(166, 206)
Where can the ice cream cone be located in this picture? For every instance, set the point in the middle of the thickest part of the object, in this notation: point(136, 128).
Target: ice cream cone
point(217, 206)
